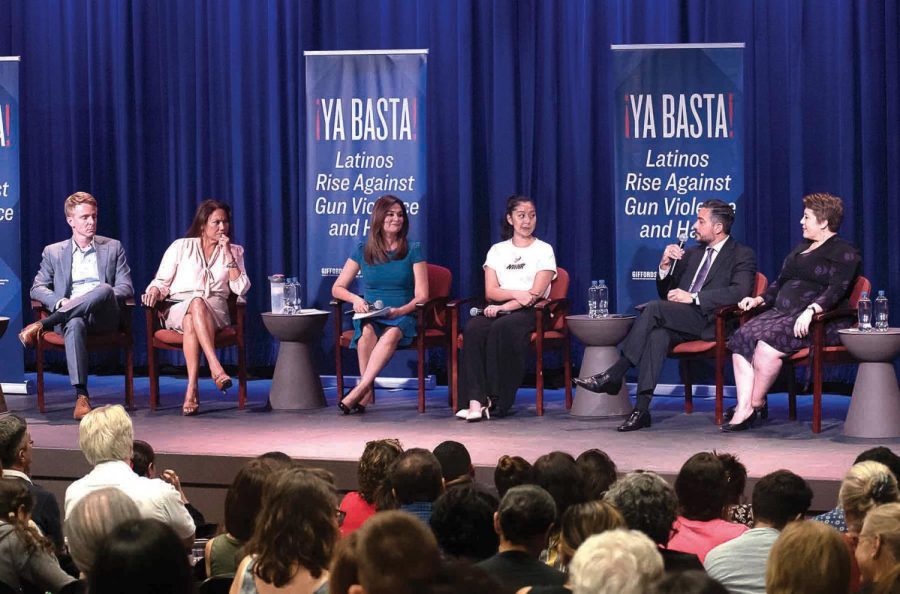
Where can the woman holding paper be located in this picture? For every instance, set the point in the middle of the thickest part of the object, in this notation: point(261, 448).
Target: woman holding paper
point(517, 274)
point(395, 273)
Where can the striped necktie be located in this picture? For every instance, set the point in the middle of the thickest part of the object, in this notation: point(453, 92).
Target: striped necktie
point(704, 270)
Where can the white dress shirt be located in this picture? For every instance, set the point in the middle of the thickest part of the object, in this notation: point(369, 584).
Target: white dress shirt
point(85, 273)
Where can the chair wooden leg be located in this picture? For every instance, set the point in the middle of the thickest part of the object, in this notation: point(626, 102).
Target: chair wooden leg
point(720, 392)
point(39, 363)
point(338, 369)
point(817, 395)
point(129, 378)
point(792, 392)
point(453, 375)
point(539, 376)
point(153, 376)
point(242, 377)
point(421, 372)
point(567, 372)
point(688, 387)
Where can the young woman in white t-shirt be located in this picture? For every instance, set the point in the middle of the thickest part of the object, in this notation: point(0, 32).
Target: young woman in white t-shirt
point(517, 274)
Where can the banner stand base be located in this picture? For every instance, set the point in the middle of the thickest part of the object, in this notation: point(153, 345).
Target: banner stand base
point(24, 388)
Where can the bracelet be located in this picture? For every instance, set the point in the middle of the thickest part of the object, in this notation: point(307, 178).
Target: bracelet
point(231, 264)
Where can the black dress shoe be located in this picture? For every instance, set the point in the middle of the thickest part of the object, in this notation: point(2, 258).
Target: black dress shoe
point(602, 382)
point(742, 426)
point(637, 420)
point(762, 410)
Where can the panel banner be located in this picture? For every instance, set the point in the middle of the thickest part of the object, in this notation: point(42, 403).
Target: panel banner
point(11, 362)
point(679, 140)
point(365, 114)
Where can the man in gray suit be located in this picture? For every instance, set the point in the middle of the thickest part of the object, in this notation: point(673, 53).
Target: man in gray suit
point(80, 281)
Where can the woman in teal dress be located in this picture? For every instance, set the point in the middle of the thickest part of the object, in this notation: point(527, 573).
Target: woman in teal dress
point(394, 272)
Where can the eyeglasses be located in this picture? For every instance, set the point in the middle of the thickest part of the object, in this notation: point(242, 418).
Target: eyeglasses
point(340, 515)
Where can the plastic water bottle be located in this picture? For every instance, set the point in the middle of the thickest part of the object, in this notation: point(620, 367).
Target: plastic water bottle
point(864, 313)
point(603, 299)
point(881, 312)
point(290, 295)
point(276, 284)
point(594, 300)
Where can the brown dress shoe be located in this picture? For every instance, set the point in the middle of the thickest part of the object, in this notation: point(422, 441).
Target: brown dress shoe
point(30, 334)
point(82, 407)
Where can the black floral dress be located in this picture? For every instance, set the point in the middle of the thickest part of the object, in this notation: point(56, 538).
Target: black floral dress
point(824, 276)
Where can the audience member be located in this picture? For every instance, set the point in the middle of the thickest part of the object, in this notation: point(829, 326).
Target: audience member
point(416, 481)
point(701, 486)
point(142, 556)
point(91, 522)
point(243, 502)
point(648, 504)
point(523, 522)
point(344, 572)
point(462, 520)
point(688, 582)
point(878, 549)
point(143, 463)
point(291, 546)
point(808, 558)
point(835, 517)
point(276, 456)
point(105, 438)
point(598, 472)
point(511, 471)
point(616, 562)
point(558, 474)
point(736, 510)
point(456, 463)
point(458, 577)
point(395, 554)
point(371, 477)
point(16, 448)
point(740, 564)
point(26, 557)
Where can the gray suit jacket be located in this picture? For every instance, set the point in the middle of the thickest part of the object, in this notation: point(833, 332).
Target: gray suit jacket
point(54, 278)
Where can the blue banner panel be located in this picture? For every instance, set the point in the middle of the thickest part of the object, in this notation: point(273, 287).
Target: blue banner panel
point(11, 362)
point(679, 140)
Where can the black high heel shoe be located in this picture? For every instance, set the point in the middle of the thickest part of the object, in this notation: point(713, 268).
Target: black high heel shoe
point(762, 410)
point(343, 408)
point(742, 426)
point(358, 408)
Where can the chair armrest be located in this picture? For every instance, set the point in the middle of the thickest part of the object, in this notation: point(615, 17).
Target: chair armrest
point(727, 311)
point(833, 314)
point(434, 307)
point(38, 311)
point(546, 310)
point(457, 303)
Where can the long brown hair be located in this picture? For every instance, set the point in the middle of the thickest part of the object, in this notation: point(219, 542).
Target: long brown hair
point(14, 496)
point(204, 211)
point(376, 248)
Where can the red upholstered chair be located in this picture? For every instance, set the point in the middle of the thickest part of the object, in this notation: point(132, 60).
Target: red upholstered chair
point(551, 332)
point(432, 327)
point(158, 337)
point(121, 339)
point(819, 353)
point(713, 349)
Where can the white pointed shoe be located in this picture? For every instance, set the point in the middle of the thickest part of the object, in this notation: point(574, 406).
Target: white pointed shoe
point(475, 416)
point(462, 413)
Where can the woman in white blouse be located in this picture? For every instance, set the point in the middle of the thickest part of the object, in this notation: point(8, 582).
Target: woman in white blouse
point(197, 274)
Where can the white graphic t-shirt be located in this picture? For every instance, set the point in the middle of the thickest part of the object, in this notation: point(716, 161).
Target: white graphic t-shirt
point(516, 267)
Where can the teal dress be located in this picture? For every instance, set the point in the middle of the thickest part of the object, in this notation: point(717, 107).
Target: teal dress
point(394, 284)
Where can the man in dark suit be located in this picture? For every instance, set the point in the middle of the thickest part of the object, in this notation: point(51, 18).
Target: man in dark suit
point(691, 284)
point(15, 456)
point(80, 281)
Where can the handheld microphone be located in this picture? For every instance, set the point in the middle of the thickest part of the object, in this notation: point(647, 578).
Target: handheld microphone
point(379, 304)
point(477, 311)
point(682, 239)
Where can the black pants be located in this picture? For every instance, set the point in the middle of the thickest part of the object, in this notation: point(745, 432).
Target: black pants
point(492, 361)
point(661, 325)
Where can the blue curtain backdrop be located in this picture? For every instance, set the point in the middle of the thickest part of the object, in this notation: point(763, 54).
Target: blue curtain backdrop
point(155, 105)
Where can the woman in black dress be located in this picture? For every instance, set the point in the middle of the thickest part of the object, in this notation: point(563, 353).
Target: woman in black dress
point(816, 276)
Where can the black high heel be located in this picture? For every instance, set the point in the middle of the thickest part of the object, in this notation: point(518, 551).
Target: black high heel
point(763, 412)
point(343, 408)
point(358, 408)
point(742, 426)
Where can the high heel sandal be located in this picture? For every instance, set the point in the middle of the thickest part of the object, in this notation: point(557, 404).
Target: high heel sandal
point(192, 408)
point(742, 426)
point(223, 382)
point(474, 417)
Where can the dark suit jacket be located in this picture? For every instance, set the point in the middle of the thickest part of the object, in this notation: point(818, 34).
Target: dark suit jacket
point(515, 570)
point(54, 278)
point(730, 279)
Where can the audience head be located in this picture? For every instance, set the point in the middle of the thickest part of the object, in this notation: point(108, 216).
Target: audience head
point(826, 208)
point(513, 202)
point(105, 434)
point(511, 471)
point(396, 553)
point(374, 465)
point(456, 463)
point(598, 472)
point(462, 520)
point(92, 520)
point(688, 582)
point(866, 485)
point(878, 549)
point(720, 212)
point(204, 211)
point(15, 444)
point(647, 502)
point(77, 199)
point(416, 477)
point(883, 455)
point(525, 517)
point(296, 527)
point(558, 474)
point(781, 497)
point(808, 558)
point(701, 486)
point(141, 556)
point(736, 476)
point(143, 458)
point(344, 572)
point(16, 504)
point(244, 497)
point(583, 520)
point(616, 562)
point(276, 456)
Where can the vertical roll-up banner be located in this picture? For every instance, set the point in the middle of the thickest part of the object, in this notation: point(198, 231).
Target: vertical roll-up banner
point(365, 114)
point(679, 140)
point(11, 362)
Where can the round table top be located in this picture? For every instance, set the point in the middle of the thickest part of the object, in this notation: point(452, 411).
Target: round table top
point(301, 327)
point(872, 346)
point(605, 331)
